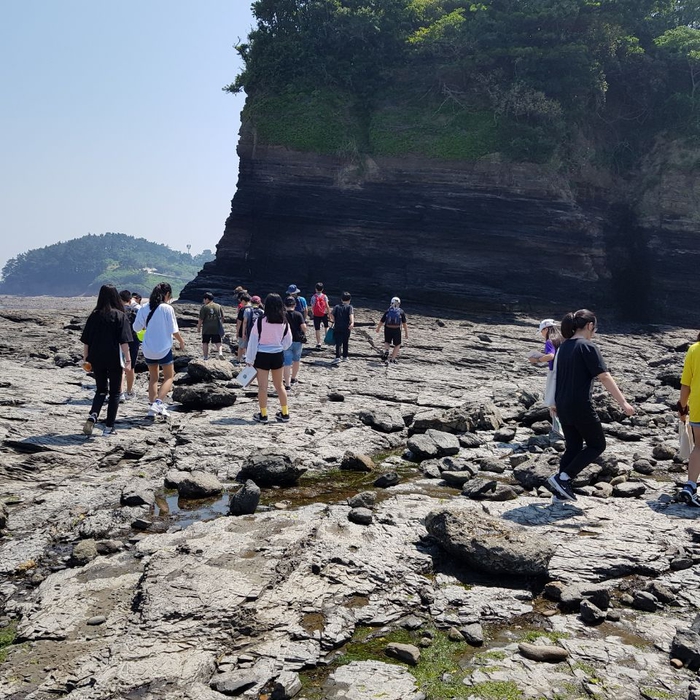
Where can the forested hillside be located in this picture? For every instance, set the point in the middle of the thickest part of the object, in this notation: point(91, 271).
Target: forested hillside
point(573, 83)
point(80, 266)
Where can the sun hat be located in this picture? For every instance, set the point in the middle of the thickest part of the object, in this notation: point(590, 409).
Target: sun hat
point(396, 301)
point(293, 289)
point(547, 323)
point(255, 300)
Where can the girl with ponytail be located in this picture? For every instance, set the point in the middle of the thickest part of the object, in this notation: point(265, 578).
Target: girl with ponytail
point(579, 362)
point(157, 318)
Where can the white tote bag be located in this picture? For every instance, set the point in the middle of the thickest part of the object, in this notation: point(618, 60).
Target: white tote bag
point(550, 388)
point(685, 440)
point(246, 376)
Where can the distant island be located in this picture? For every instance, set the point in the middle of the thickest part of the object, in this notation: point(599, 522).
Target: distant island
point(80, 266)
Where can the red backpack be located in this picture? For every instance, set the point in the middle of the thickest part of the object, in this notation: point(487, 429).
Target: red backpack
point(320, 307)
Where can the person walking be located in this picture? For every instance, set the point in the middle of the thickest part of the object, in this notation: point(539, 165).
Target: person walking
point(251, 314)
point(579, 362)
point(245, 301)
point(157, 318)
point(292, 356)
point(319, 306)
point(552, 340)
point(343, 320)
point(688, 408)
point(106, 337)
point(269, 338)
point(211, 318)
point(393, 320)
point(130, 308)
point(300, 303)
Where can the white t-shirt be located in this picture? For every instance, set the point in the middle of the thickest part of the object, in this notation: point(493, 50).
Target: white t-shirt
point(158, 340)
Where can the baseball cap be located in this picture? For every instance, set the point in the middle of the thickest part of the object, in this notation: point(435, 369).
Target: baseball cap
point(292, 289)
point(396, 300)
point(547, 323)
point(255, 300)
point(290, 301)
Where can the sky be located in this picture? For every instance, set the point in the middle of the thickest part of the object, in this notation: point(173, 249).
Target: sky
point(113, 119)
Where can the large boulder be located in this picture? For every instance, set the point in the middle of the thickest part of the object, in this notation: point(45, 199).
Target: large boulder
point(385, 420)
point(354, 462)
point(245, 501)
point(199, 484)
point(467, 418)
point(532, 475)
point(432, 444)
point(490, 544)
point(204, 396)
point(270, 469)
point(362, 680)
point(210, 371)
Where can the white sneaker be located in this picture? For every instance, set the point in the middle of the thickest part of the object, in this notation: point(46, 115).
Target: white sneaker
point(152, 411)
point(130, 395)
point(108, 432)
point(160, 408)
point(122, 397)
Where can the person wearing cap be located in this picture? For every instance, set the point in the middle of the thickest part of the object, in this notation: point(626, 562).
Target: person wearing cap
point(211, 318)
point(238, 293)
point(300, 304)
point(292, 355)
point(393, 320)
point(242, 306)
point(552, 340)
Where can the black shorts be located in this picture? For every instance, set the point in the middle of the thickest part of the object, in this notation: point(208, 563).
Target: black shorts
point(392, 335)
point(134, 346)
point(269, 360)
point(318, 320)
point(211, 338)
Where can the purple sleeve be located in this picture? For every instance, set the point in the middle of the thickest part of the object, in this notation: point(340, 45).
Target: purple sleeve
point(549, 348)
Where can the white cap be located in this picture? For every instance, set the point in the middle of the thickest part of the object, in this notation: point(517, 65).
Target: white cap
point(396, 301)
point(547, 323)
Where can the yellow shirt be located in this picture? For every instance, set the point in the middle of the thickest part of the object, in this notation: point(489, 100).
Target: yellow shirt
point(691, 378)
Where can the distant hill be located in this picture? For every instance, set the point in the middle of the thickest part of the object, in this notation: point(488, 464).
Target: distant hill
point(80, 266)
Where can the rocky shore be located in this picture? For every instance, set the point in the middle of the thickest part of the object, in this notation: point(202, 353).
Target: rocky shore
point(392, 540)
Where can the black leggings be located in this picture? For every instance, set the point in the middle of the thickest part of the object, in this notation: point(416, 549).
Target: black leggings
point(105, 376)
point(576, 457)
point(342, 338)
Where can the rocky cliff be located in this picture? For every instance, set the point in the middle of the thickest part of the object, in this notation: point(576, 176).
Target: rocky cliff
point(484, 235)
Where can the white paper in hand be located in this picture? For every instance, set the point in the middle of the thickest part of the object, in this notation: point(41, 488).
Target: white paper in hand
point(535, 355)
point(246, 376)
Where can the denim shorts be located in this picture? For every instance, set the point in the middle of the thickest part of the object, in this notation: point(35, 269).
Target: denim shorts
point(167, 360)
point(695, 425)
point(293, 354)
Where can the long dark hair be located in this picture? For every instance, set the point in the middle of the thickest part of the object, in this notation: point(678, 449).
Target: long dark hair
point(160, 291)
point(573, 322)
point(275, 311)
point(554, 336)
point(108, 300)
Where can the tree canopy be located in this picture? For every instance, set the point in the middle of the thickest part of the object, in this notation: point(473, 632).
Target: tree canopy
point(80, 266)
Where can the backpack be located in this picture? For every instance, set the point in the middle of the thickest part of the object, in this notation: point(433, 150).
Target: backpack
point(320, 307)
point(255, 314)
point(300, 306)
point(393, 316)
point(260, 318)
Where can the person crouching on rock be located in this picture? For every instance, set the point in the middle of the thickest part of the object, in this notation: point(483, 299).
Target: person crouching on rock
point(552, 340)
point(579, 362)
point(689, 409)
point(157, 317)
point(270, 336)
point(392, 320)
point(106, 339)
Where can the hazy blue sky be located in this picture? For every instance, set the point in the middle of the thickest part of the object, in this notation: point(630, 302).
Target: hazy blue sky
point(113, 119)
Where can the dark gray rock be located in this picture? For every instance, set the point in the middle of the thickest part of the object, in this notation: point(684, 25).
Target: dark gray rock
point(541, 427)
point(532, 475)
point(173, 478)
point(492, 465)
point(83, 552)
point(109, 547)
point(385, 420)
point(364, 499)
point(479, 489)
point(542, 652)
point(686, 647)
point(137, 494)
point(662, 593)
point(360, 516)
point(3, 516)
point(447, 443)
point(467, 418)
point(643, 600)
point(270, 469)
point(336, 397)
point(431, 468)
point(591, 614)
point(204, 396)
point(403, 652)
point(423, 447)
point(505, 434)
point(199, 485)
point(490, 544)
point(643, 466)
point(629, 489)
point(456, 479)
point(96, 620)
point(470, 441)
point(539, 412)
point(245, 501)
point(287, 685)
point(473, 634)
point(572, 595)
point(210, 371)
point(357, 462)
point(517, 459)
point(664, 452)
point(234, 683)
point(386, 480)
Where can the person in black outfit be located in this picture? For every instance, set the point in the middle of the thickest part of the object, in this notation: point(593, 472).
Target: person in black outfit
point(343, 320)
point(578, 363)
point(106, 339)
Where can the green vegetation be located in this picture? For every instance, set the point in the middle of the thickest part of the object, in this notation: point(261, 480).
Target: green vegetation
point(496, 690)
point(656, 694)
point(80, 266)
point(566, 82)
point(7, 637)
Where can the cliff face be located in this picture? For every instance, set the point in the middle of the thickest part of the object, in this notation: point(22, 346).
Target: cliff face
point(473, 236)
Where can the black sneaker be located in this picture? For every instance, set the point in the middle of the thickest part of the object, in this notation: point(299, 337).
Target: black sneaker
point(259, 418)
point(385, 355)
point(561, 488)
point(295, 381)
point(690, 498)
point(281, 417)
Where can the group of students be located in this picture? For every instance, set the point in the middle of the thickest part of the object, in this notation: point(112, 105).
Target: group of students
point(574, 362)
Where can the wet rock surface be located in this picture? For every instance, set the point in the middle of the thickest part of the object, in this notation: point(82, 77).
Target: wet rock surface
point(200, 605)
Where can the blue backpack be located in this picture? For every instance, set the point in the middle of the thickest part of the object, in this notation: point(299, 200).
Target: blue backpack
point(393, 316)
point(253, 314)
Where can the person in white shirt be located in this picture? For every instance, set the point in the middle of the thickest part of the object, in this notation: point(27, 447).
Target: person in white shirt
point(157, 318)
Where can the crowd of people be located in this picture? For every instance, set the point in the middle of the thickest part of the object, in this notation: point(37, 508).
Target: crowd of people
point(270, 337)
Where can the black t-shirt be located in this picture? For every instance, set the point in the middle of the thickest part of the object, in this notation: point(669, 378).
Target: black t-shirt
point(239, 317)
point(341, 316)
point(103, 334)
point(296, 320)
point(579, 362)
